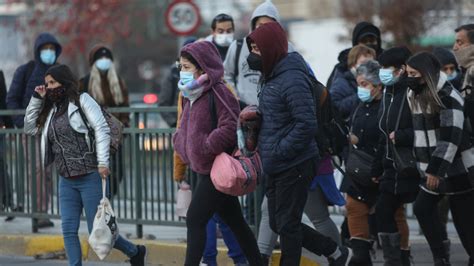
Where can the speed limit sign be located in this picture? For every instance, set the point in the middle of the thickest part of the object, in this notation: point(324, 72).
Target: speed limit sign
point(182, 17)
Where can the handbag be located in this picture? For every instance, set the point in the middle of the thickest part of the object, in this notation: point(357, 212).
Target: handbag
point(404, 160)
point(183, 200)
point(116, 129)
point(359, 164)
point(104, 231)
point(235, 174)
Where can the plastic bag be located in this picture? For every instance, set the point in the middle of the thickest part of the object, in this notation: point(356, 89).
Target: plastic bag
point(105, 230)
point(183, 199)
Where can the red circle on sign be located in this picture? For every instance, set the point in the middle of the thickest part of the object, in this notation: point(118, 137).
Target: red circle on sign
point(181, 10)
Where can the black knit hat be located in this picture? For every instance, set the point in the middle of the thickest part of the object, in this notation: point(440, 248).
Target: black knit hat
point(102, 51)
point(445, 56)
point(427, 64)
point(63, 75)
point(396, 57)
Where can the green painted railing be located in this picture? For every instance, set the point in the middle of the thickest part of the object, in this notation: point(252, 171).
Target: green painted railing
point(142, 186)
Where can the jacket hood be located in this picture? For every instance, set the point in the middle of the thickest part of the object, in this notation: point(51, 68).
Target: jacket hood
point(445, 56)
point(272, 42)
point(265, 9)
point(293, 61)
point(208, 58)
point(365, 28)
point(95, 49)
point(46, 38)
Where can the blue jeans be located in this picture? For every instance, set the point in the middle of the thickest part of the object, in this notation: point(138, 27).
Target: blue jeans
point(210, 252)
point(79, 193)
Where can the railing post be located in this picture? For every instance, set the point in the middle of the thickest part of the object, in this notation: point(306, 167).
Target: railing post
point(135, 146)
point(31, 147)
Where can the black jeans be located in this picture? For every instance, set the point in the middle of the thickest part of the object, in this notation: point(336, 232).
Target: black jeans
point(205, 202)
point(462, 210)
point(287, 193)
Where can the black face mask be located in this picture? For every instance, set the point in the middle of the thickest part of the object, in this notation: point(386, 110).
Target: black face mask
point(56, 95)
point(255, 62)
point(415, 84)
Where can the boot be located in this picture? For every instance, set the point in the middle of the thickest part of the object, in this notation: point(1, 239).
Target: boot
point(361, 252)
point(406, 257)
point(447, 249)
point(391, 248)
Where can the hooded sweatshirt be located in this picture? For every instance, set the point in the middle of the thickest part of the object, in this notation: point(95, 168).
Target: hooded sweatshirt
point(196, 142)
point(247, 80)
point(22, 87)
point(286, 137)
point(360, 30)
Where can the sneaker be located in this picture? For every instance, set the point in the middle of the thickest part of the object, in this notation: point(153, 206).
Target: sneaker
point(343, 259)
point(140, 258)
point(44, 223)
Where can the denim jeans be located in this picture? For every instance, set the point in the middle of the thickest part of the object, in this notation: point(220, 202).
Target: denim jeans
point(79, 193)
point(210, 251)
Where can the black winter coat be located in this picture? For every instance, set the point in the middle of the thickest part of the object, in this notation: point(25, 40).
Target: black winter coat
point(287, 134)
point(390, 180)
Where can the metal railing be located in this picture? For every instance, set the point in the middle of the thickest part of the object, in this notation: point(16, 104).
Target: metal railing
point(141, 184)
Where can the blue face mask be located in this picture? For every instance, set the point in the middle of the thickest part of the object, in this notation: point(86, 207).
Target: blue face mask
point(386, 76)
point(364, 94)
point(103, 64)
point(186, 77)
point(48, 56)
point(452, 75)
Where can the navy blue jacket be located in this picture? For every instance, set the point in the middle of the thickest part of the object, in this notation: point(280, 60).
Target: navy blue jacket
point(344, 93)
point(22, 87)
point(287, 135)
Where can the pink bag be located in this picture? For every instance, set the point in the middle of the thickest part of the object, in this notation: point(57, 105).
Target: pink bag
point(235, 174)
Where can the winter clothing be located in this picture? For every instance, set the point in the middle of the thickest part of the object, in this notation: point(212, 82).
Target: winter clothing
point(364, 126)
point(396, 57)
point(390, 180)
point(247, 79)
point(288, 120)
point(5, 121)
point(465, 57)
point(344, 93)
point(22, 87)
point(197, 143)
point(107, 88)
point(446, 57)
point(361, 249)
point(94, 117)
point(447, 153)
point(361, 30)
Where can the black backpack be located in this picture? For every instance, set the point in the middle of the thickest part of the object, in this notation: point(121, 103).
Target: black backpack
point(332, 133)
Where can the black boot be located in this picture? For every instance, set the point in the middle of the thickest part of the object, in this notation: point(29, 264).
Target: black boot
point(361, 252)
point(406, 257)
point(391, 248)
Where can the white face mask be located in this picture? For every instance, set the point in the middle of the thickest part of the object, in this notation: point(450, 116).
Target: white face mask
point(224, 39)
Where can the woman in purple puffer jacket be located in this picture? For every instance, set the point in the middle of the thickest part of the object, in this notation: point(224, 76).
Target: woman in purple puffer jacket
point(198, 141)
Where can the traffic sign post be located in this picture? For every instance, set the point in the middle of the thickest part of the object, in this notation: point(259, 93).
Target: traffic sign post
point(182, 17)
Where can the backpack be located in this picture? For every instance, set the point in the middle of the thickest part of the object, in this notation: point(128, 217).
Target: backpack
point(332, 133)
point(240, 43)
point(116, 129)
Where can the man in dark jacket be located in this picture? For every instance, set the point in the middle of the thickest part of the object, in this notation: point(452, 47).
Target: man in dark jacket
point(46, 50)
point(364, 33)
point(286, 143)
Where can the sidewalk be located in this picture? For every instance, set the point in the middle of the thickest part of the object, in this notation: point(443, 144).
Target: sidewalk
point(166, 244)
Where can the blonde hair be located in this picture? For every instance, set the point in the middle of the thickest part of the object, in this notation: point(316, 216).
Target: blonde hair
point(95, 85)
point(357, 51)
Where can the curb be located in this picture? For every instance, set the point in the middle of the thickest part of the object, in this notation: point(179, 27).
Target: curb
point(159, 253)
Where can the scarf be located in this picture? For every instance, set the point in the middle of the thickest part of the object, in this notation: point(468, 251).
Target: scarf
point(95, 89)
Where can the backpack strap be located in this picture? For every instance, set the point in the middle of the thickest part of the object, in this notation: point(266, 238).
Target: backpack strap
point(240, 43)
point(212, 108)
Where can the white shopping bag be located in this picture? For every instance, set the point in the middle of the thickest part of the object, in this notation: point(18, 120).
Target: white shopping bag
point(105, 230)
point(183, 199)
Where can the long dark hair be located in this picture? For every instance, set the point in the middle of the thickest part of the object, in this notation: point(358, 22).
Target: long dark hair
point(63, 75)
point(429, 67)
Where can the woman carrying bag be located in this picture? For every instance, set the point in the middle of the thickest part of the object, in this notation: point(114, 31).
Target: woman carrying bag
point(54, 112)
point(444, 154)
